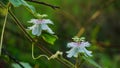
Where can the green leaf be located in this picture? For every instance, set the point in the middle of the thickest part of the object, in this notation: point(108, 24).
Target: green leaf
point(91, 62)
point(29, 6)
point(49, 38)
point(4, 1)
point(17, 3)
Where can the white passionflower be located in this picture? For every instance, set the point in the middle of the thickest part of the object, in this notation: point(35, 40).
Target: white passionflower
point(39, 25)
point(77, 48)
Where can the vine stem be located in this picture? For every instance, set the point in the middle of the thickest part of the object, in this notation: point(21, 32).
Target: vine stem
point(3, 30)
point(77, 63)
point(39, 55)
point(42, 48)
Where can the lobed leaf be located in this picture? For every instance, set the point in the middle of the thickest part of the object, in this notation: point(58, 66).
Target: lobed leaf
point(49, 38)
point(17, 3)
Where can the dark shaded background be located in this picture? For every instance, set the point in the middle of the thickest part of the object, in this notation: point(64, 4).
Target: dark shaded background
point(97, 20)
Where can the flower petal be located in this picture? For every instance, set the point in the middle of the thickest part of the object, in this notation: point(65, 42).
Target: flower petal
point(71, 52)
point(76, 53)
point(36, 29)
point(85, 44)
point(78, 47)
point(47, 21)
point(33, 21)
point(39, 30)
point(39, 25)
point(45, 27)
point(72, 44)
point(87, 53)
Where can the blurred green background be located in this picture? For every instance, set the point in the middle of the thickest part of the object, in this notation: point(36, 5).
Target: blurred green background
point(97, 20)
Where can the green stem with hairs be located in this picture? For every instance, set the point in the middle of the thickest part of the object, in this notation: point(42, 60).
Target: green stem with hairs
point(3, 29)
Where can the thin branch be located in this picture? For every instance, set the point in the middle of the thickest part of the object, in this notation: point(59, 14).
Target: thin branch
point(12, 58)
point(43, 3)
